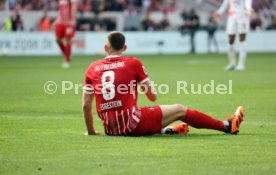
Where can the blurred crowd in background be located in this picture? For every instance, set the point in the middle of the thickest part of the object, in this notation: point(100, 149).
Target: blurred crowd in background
point(264, 17)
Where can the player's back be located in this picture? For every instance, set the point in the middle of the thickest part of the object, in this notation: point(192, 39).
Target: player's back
point(114, 80)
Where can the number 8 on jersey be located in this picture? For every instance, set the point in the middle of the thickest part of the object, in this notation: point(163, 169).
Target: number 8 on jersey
point(108, 89)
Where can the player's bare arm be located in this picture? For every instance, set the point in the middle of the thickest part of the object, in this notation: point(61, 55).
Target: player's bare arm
point(221, 10)
point(149, 90)
point(74, 8)
point(248, 7)
point(87, 100)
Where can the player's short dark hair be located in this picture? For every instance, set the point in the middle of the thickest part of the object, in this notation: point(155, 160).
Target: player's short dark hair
point(116, 40)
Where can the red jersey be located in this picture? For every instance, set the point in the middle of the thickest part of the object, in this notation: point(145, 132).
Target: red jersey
point(65, 11)
point(114, 82)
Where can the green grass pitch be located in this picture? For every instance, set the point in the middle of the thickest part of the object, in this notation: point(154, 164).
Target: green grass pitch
point(44, 134)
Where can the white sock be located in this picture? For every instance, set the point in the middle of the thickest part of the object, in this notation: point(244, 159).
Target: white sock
point(243, 53)
point(226, 125)
point(163, 130)
point(231, 54)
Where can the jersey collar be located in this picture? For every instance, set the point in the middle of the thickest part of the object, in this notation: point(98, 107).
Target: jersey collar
point(112, 56)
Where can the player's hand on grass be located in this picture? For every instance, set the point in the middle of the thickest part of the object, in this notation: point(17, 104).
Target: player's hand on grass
point(95, 132)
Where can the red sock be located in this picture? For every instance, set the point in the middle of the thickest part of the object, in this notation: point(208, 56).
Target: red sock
point(62, 47)
point(68, 52)
point(199, 120)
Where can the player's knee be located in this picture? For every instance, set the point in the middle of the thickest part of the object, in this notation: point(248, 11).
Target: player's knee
point(231, 39)
point(181, 109)
point(242, 38)
point(68, 40)
point(58, 40)
point(86, 107)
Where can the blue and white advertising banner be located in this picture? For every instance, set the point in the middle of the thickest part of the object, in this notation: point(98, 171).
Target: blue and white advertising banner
point(35, 43)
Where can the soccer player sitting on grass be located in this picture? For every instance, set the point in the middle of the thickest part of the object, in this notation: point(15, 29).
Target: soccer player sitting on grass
point(113, 82)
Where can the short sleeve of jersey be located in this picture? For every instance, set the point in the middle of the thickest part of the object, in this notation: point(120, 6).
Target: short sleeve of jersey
point(87, 85)
point(141, 73)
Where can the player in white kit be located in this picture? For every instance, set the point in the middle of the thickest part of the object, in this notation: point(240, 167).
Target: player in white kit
point(238, 19)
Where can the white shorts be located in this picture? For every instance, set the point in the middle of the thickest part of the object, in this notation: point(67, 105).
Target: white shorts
point(237, 25)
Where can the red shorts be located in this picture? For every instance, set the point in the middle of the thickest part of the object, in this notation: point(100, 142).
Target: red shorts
point(150, 122)
point(64, 31)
